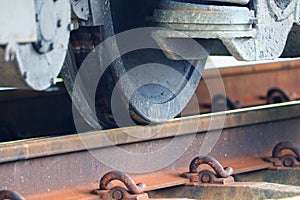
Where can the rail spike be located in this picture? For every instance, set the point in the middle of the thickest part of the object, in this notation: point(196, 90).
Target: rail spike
point(286, 145)
point(220, 175)
point(289, 160)
point(220, 171)
point(12, 195)
point(132, 187)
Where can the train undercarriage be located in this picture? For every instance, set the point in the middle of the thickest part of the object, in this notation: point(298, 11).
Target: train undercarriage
point(48, 35)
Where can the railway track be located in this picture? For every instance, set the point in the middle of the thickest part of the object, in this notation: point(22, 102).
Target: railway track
point(70, 167)
point(245, 86)
point(243, 137)
point(28, 114)
point(125, 66)
point(250, 85)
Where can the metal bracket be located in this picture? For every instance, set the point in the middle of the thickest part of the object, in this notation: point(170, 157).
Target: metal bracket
point(221, 102)
point(81, 9)
point(289, 160)
point(220, 175)
point(281, 14)
point(277, 95)
point(133, 191)
point(90, 13)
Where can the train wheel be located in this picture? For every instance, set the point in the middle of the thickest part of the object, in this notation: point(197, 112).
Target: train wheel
point(36, 65)
point(155, 100)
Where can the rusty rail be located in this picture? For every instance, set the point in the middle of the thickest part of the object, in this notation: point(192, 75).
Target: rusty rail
point(278, 82)
point(69, 162)
point(251, 85)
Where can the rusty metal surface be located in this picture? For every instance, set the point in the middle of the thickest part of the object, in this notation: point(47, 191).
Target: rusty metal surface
point(248, 86)
point(241, 165)
point(132, 187)
point(217, 174)
point(276, 153)
point(120, 193)
point(60, 163)
point(67, 144)
point(19, 103)
point(227, 171)
point(290, 160)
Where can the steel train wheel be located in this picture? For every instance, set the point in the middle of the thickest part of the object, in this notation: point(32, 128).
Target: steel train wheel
point(144, 97)
point(36, 65)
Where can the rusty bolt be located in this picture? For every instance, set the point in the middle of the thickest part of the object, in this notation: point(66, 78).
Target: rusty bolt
point(117, 195)
point(288, 162)
point(205, 178)
point(37, 17)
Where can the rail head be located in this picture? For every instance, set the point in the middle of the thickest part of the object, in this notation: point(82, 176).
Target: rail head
point(36, 148)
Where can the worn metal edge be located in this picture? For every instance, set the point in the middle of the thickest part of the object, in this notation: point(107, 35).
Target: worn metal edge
point(35, 148)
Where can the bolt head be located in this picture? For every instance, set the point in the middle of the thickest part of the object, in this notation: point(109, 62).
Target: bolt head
point(58, 23)
point(205, 178)
point(117, 195)
point(288, 162)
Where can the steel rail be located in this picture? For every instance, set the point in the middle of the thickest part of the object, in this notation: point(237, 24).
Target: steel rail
point(68, 162)
point(36, 148)
point(251, 85)
point(277, 81)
